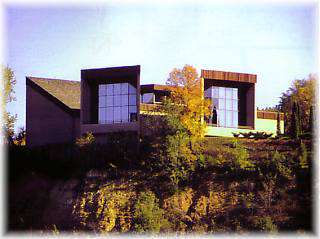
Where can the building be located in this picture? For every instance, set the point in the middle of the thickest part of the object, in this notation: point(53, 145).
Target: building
point(111, 100)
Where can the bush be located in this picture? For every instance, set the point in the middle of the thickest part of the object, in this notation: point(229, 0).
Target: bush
point(236, 135)
point(148, 216)
point(85, 140)
point(276, 165)
point(254, 135)
point(240, 159)
point(247, 135)
point(303, 156)
point(265, 224)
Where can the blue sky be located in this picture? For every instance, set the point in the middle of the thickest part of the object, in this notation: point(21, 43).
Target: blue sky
point(274, 41)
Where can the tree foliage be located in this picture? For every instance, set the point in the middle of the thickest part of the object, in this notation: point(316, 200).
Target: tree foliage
point(278, 124)
point(183, 111)
point(8, 81)
point(187, 94)
point(302, 92)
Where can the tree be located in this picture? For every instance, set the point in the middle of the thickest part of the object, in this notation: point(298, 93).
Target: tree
point(187, 96)
point(295, 121)
point(183, 113)
point(311, 120)
point(8, 79)
point(20, 138)
point(278, 124)
point(302, 92)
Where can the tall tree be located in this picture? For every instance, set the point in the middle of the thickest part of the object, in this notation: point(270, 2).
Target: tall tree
point(188, 96)
point(295, 121)
point(8, 95)
point(302, 92)
point(311, 120)
point(278, 124)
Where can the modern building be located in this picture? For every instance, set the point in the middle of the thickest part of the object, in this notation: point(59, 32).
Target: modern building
point(111, 100)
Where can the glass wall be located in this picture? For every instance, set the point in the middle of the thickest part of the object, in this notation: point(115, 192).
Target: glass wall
point(148, 98)
point(117, 103)
point(225, 105)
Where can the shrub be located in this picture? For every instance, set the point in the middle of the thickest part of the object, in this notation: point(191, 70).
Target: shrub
point(236, 135)
point(303, 156)
point(281, 168)
point(240, 159)
point(85, 140)
point(265, 224)
point(246, 135)
point(275, 165)
point(256, 135)
point(261, 135)
point(148, 216)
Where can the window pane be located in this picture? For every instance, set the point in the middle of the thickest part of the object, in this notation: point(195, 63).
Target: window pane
point(148, 98)
point(102, 112)
point(109, 100)
point(229, 118)
point(124, 88)
point(124, 100)
point(132, 89)
point(215, 103)
point(235, 93)
point(109, 89)
point(117, 89)
point(215, 92)
point(109, 115)
point(124, 114)
point(222, 104)
point(117, 114)
point(229, 93)
point(102, 90)
point(132, 109)
point(222, 92)
point(132, 99)
point(229, 104)
point(117, 100)
point(235, 105)
point(235, 119)
point(221, 118)
point(102, 101)
point(208, 93)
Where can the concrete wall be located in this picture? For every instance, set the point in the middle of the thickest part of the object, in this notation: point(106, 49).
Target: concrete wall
point(46, 122)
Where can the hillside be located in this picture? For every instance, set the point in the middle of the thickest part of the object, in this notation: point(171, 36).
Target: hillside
point(240, 186)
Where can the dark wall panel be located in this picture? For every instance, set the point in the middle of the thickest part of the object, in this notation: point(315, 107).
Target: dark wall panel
point(47, 123)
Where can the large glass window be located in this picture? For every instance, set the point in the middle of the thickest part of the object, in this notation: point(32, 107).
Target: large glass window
point(117, 103)
point(224, 104)
point(148, 98)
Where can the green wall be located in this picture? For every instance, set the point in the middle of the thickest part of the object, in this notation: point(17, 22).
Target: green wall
point(266, 125)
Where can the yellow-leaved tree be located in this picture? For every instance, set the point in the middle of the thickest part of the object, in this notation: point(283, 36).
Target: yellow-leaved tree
point(184, 110)
point(187, 95)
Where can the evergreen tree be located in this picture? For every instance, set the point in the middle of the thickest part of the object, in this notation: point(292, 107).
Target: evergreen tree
point(311, 119)
point(278, 124)
point(299, 120)
point(295, 129)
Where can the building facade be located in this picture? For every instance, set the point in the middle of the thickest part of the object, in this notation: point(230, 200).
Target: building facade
point(109, 100)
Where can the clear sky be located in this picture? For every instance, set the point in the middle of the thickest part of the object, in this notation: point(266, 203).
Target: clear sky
point(274, 41)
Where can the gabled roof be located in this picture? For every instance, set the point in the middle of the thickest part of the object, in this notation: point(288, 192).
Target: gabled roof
point(63, 92)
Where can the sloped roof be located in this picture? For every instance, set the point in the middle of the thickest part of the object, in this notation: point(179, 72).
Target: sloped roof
point(66, 91)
